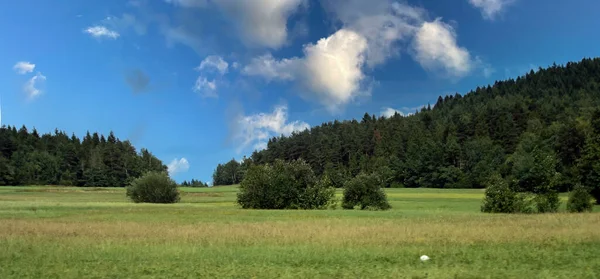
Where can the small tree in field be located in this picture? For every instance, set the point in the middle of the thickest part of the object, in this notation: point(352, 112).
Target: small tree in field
point(153, 187)
point(580, 200)
point(499, 198)
point(365, 191)
point(284, 185)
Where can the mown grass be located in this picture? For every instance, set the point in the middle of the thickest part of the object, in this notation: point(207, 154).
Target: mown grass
point(63, 232)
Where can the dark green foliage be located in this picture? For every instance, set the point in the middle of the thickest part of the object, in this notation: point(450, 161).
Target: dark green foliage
point(284, 185)
point(500, 198)
point(527, 129)
point(193, 183)
point(547, 202)
point(231, 173)
point(589, 164)
point(580, 200)
point(28, 158)
point(153, 187)
point(365, 191)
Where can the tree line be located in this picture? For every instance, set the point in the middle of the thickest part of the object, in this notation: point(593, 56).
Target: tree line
point(193, 183)
point(538, 130)
point(28, 158)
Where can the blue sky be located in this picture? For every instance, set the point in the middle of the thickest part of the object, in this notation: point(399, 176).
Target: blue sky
point(199, 82)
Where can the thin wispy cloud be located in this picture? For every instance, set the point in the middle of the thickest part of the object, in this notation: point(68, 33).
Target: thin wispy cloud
point(101, 32)
point(490, 9)
point(31, 86)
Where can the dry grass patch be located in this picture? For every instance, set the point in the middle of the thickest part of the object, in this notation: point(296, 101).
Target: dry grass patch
point(459, 230)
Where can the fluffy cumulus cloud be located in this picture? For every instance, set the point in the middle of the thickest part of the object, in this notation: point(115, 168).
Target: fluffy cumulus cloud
point(383, 23)
point(491, 8)
point(31, 86)
point(255, 130)
point(23, 67)
point(335, 68)
point(99, 31)
point(178, 166)
point(437, 50)
point(331, 68)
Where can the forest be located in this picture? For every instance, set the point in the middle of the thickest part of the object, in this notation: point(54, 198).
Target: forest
point(28, 158)
point(542, 128)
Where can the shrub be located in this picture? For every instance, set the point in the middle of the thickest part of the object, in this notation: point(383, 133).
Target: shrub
point(284, 185)
point(153, 187)
point(580, 200)
point(499, 197)
point(365, 191)
point(524, 203)
point(547, 202)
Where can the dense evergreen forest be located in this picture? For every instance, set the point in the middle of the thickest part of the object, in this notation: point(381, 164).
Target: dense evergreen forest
point(26, 158)
point(537, 129)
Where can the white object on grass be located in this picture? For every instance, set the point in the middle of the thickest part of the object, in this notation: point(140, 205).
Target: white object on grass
point(424, 258)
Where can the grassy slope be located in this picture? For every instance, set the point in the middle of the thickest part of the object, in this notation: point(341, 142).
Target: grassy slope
point(96, 233)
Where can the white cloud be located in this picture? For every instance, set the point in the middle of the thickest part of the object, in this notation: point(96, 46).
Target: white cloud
point(30, 87)
point(389, 112)
point(255, 130)
point(331, 68)
point(24, 67)
point(101, 32)
point(178, 166)
point(267, 67)
point(334, 68)
point(437, 50)
point(382, 22)
point(206, 88)
point(215, 62)
point(261, 22)
point(491, 8)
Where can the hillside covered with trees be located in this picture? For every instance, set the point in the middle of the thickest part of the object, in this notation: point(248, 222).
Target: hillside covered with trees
point(541, 128)
point(27, 158)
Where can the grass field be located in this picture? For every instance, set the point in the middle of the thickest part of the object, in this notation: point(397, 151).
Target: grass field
point(60, 232)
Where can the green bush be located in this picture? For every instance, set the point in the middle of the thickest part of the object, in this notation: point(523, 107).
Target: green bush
point(365, 191)
point(499, 197)
point(580, 200)
point(153, 187)
point(284, 185)
point(547, 202)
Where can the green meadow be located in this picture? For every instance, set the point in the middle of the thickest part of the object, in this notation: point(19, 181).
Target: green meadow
point(63, 232)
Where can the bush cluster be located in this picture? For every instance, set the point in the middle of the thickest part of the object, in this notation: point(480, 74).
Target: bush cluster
point(501, 198)
point(365, 191)
point(580, 200)
point(153, 187)
point(284, 185)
